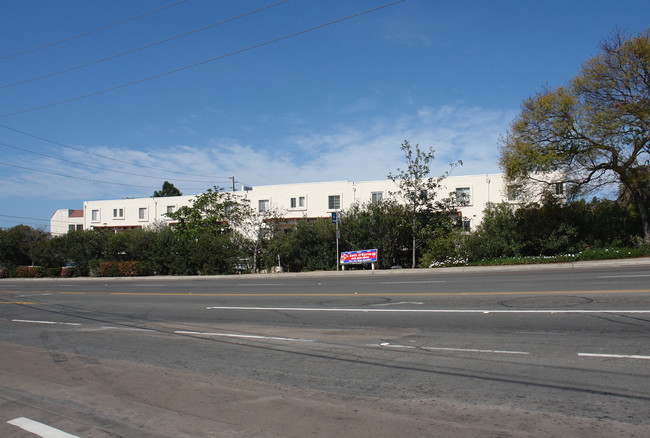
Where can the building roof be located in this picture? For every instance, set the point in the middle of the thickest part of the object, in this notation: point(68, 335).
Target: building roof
point(75, 213)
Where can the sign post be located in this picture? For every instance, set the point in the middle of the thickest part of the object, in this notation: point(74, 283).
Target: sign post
point(338, 235)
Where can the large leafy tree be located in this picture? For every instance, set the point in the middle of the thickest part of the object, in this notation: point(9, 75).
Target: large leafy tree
point(595, 131)
point(168, 189)
point(214, 212)
point(419, 191)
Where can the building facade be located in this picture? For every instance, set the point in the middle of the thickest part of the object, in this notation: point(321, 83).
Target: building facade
point(291, 201)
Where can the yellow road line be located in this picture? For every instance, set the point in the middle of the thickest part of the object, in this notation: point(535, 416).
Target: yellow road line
point(349, 294)
point(16, 302)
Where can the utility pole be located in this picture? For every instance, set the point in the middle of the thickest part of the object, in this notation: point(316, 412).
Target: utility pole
point(233, 183)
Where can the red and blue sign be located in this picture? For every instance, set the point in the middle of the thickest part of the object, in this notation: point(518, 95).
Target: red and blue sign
point(363, 256)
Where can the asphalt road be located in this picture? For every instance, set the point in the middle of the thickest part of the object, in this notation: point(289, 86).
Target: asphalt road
point(543, 351)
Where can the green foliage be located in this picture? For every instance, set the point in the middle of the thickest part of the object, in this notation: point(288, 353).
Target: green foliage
point(384, 226)
point(16, 245)
point(420, 191)
point(214, 211)
point(308, 246)
point(168, 189)
point(80, 247)
point(595, 131)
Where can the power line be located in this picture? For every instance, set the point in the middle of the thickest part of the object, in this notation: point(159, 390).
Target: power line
point(32, 219)
point(108, 58)
point(84, 179)
point(187, 67)
point(108, 26)
point(107, 157)
point(97, 167)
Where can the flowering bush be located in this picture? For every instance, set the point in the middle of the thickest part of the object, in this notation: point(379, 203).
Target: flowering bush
point(29, 272)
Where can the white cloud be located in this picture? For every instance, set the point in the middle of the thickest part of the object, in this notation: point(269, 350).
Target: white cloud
point(345, 152)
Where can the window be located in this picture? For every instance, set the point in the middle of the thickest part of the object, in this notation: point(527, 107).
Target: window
point(171, 208)
point(334, 202)
point(94, 215)
point(142, 214)
point(376, 197)
point(463, 196)
point(263, 205)
point(71, 227)
point(80, 227)
point(297, 202)
point(118, 213)
point(514, 193)
point(424, 194)
point(559, 189)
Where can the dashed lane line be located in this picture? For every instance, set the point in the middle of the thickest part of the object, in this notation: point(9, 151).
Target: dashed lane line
point(40, 429)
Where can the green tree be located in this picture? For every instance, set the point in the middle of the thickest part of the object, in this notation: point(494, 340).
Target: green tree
point(168, 189)
point(383, 226)
point(595, 131)
point(419, 191)
point(16, 245)
point(214, 211)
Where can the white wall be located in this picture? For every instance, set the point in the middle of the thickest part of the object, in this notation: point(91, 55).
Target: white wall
point(125, 213)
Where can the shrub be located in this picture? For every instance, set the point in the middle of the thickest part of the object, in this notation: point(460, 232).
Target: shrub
point(53, 272)
point(29, 272)
point(67, 271)
point(109, 269)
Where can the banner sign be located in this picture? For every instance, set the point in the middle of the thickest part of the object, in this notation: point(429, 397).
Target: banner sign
point(363, 256)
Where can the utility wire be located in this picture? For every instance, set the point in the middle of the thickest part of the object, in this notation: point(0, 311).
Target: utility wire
point(110, 158)
point(85, 179)
point(97, 167)
point(187, 67)
point(108, 26)
point(108, 58)
point(32, 218)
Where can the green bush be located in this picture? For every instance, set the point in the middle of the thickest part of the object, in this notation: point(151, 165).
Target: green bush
point(29, 272)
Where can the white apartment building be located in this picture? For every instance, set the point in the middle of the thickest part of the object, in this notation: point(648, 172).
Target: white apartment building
point(292, 201)
point(64, 220)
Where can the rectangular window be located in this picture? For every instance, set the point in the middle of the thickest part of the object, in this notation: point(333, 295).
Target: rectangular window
point(118, 213)
point(71, 227)
point(463, 195)
point(293, 203)
point(514, 193)
point(263, 205)
point(80, 227)
point(376, 197)
point(334, 202)
point(559, 189)
point(142, 214)
point(171, 208)
point(301, 202)
point(94, 215)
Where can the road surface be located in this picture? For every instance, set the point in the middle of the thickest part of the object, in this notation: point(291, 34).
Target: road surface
point(542, 351)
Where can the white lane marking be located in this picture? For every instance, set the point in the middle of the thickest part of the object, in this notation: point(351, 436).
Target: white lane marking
point(396, 304)
point(461, 350)
point(412, 282)
point(40, 429)
point(364, 310)
point(34, 295)
point(234, 335)
point(44, 322)
point(624, 276)
point(106, 327)
point(615, 356)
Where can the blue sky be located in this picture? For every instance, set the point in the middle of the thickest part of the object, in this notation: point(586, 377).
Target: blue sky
point(333, 103)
